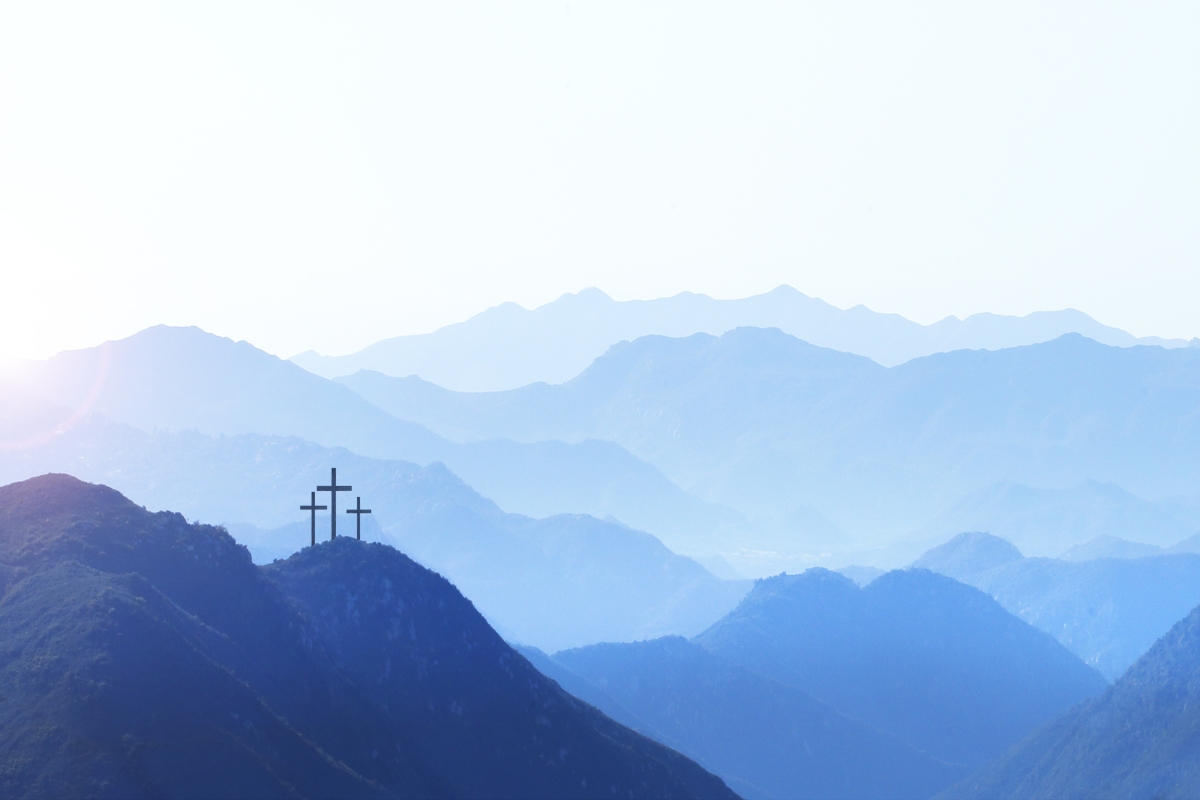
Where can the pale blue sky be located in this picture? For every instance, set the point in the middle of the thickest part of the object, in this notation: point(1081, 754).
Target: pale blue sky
point(326, 175)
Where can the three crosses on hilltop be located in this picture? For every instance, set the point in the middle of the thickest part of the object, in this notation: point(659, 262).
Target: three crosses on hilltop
point(333, 489)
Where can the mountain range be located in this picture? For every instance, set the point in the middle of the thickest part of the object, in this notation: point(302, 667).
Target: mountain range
point(813, 687)
point(755, 447)
point(508, 346)
point(761, 422)
point(182, 379)
point(1108, 611)
point(547, 582)
point(145, 657)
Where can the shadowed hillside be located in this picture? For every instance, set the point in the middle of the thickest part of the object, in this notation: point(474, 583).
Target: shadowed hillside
point(764, 738)
point(932, 661)
point(1138, 740)
point(348, 671)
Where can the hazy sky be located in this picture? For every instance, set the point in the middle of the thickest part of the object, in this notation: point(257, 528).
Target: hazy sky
point(326, 175)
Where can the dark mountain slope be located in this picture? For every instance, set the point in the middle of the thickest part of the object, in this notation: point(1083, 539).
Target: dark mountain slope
point(478, 710)
point(301, 683)
point(55, 519)
point(1140, 739)
point(585, 690)
point(115, 681)
point(935, 662)
point(764, 738)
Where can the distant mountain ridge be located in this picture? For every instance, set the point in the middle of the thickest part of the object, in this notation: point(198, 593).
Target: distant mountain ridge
point(769, 425)
point(508, 346)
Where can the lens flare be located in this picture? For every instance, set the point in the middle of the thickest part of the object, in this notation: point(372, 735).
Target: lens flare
point(84, 408)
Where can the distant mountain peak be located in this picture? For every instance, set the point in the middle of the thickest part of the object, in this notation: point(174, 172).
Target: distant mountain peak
point(591, 294)
point(968, 554)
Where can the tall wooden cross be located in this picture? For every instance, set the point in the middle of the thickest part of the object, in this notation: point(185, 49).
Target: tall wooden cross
point(333, 489)
point(314, 508)
point(358, 510)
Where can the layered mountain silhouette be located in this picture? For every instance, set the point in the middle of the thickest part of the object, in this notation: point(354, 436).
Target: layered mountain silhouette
point(509, 346)
point(181, 379)
point(765, 423)
point(1106, 610)
point(765, 739)
point(1137, 740)
point(936, 663)
point(146, 657)
point(1054, 521)
point(969, 555)
point(546, 582)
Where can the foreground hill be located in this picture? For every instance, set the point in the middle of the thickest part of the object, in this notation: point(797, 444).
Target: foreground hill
point(1138, 740)
point(508, 346)
point(936, 663)
point(1107, 611)
point(183, 379)
point(764, 738)
point(146, 657)
point(552, 582)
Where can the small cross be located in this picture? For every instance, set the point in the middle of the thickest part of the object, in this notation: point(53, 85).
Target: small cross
point(358, 510)
point(333, 489)
point(314, 508)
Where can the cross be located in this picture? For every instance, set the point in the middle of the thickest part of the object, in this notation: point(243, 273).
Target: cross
point(314, 508)
point(333, 489)
point(358, 510)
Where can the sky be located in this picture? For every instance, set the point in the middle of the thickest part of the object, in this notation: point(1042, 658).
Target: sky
point(325, 175)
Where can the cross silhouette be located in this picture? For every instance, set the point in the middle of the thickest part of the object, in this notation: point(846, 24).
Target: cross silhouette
point(358, 510)
point(333, 489)
point(314, 508)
